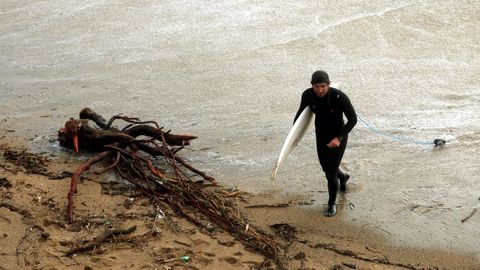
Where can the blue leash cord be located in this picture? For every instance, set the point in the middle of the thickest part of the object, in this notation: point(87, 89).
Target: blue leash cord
point(436, 142)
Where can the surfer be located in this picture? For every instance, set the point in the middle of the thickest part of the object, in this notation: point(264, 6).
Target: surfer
point(329, 105)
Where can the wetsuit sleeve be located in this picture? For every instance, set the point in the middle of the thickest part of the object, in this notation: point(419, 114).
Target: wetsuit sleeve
point(303, 105)
point(351, 116)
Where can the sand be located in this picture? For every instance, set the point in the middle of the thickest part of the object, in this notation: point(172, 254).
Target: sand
point(35, 234)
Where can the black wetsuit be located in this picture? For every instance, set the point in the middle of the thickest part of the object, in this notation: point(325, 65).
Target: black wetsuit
point(329, 123)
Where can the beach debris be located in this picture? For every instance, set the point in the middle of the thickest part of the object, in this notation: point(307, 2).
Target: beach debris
point(285, 230)
point(182, 243)
point(351, 205)
point(31, 163)
point(300, 256)
point(210, 227)
point(439, 142)
point(351, 265)
point(99, 240)
point(304, 202)
point(132, 152)
point(360, 256)
point(60, 175)
point(25, 213)
point(125, 149)
point(474, 211)
point(268, 205)
point(5, 183)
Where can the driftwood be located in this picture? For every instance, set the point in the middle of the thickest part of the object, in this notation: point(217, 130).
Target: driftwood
point(268, 205)
point(99, 240)
point(95, 139)
point(112, 141)
point(131, 153)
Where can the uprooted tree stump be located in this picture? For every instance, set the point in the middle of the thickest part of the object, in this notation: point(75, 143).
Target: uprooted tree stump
point(131, 153)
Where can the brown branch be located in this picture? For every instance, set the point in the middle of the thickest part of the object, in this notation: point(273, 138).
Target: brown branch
point(202, 174)
point(182, 243)
point(167, 153)
point(171, 139)
point(268, 205)
point(133, 120)
point(134, 155)
point(87, 113)
point(99, 240)
point(139, 128)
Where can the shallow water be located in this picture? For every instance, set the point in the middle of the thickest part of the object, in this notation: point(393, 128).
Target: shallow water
point(232, 72)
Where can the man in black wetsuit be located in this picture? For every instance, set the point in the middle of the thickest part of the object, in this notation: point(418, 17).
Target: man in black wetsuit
point(329, 105)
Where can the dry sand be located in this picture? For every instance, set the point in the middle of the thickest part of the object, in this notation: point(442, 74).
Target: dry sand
point(35, 235)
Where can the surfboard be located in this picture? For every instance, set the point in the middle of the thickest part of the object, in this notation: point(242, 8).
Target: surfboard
point(303, 123)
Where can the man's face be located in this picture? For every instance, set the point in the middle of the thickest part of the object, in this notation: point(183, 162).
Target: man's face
point(321, 89)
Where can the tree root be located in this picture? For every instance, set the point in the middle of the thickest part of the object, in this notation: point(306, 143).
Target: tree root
point(74, 182)
point(131, 153)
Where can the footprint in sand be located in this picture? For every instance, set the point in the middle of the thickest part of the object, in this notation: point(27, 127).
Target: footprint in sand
point(238, 263)
point(230, 260)
point(355, 186)
point(4, 221)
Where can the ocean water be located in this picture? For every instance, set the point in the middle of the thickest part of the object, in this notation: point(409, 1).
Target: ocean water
point(232, 72)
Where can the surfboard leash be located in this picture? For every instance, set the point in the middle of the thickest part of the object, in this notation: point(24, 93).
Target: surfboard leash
point(436, 143)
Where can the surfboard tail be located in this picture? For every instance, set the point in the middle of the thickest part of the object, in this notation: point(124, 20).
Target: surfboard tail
point(274, 173)
point(275, 170)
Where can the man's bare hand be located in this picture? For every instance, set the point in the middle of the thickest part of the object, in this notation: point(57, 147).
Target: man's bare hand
point(334, 143)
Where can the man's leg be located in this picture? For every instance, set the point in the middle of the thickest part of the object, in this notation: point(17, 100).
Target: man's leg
point(343, 177)
point(328, 162)
point(330, 159)
point(332, 193)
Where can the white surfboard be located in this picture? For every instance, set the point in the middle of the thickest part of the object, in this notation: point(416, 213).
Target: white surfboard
point(303, 123)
